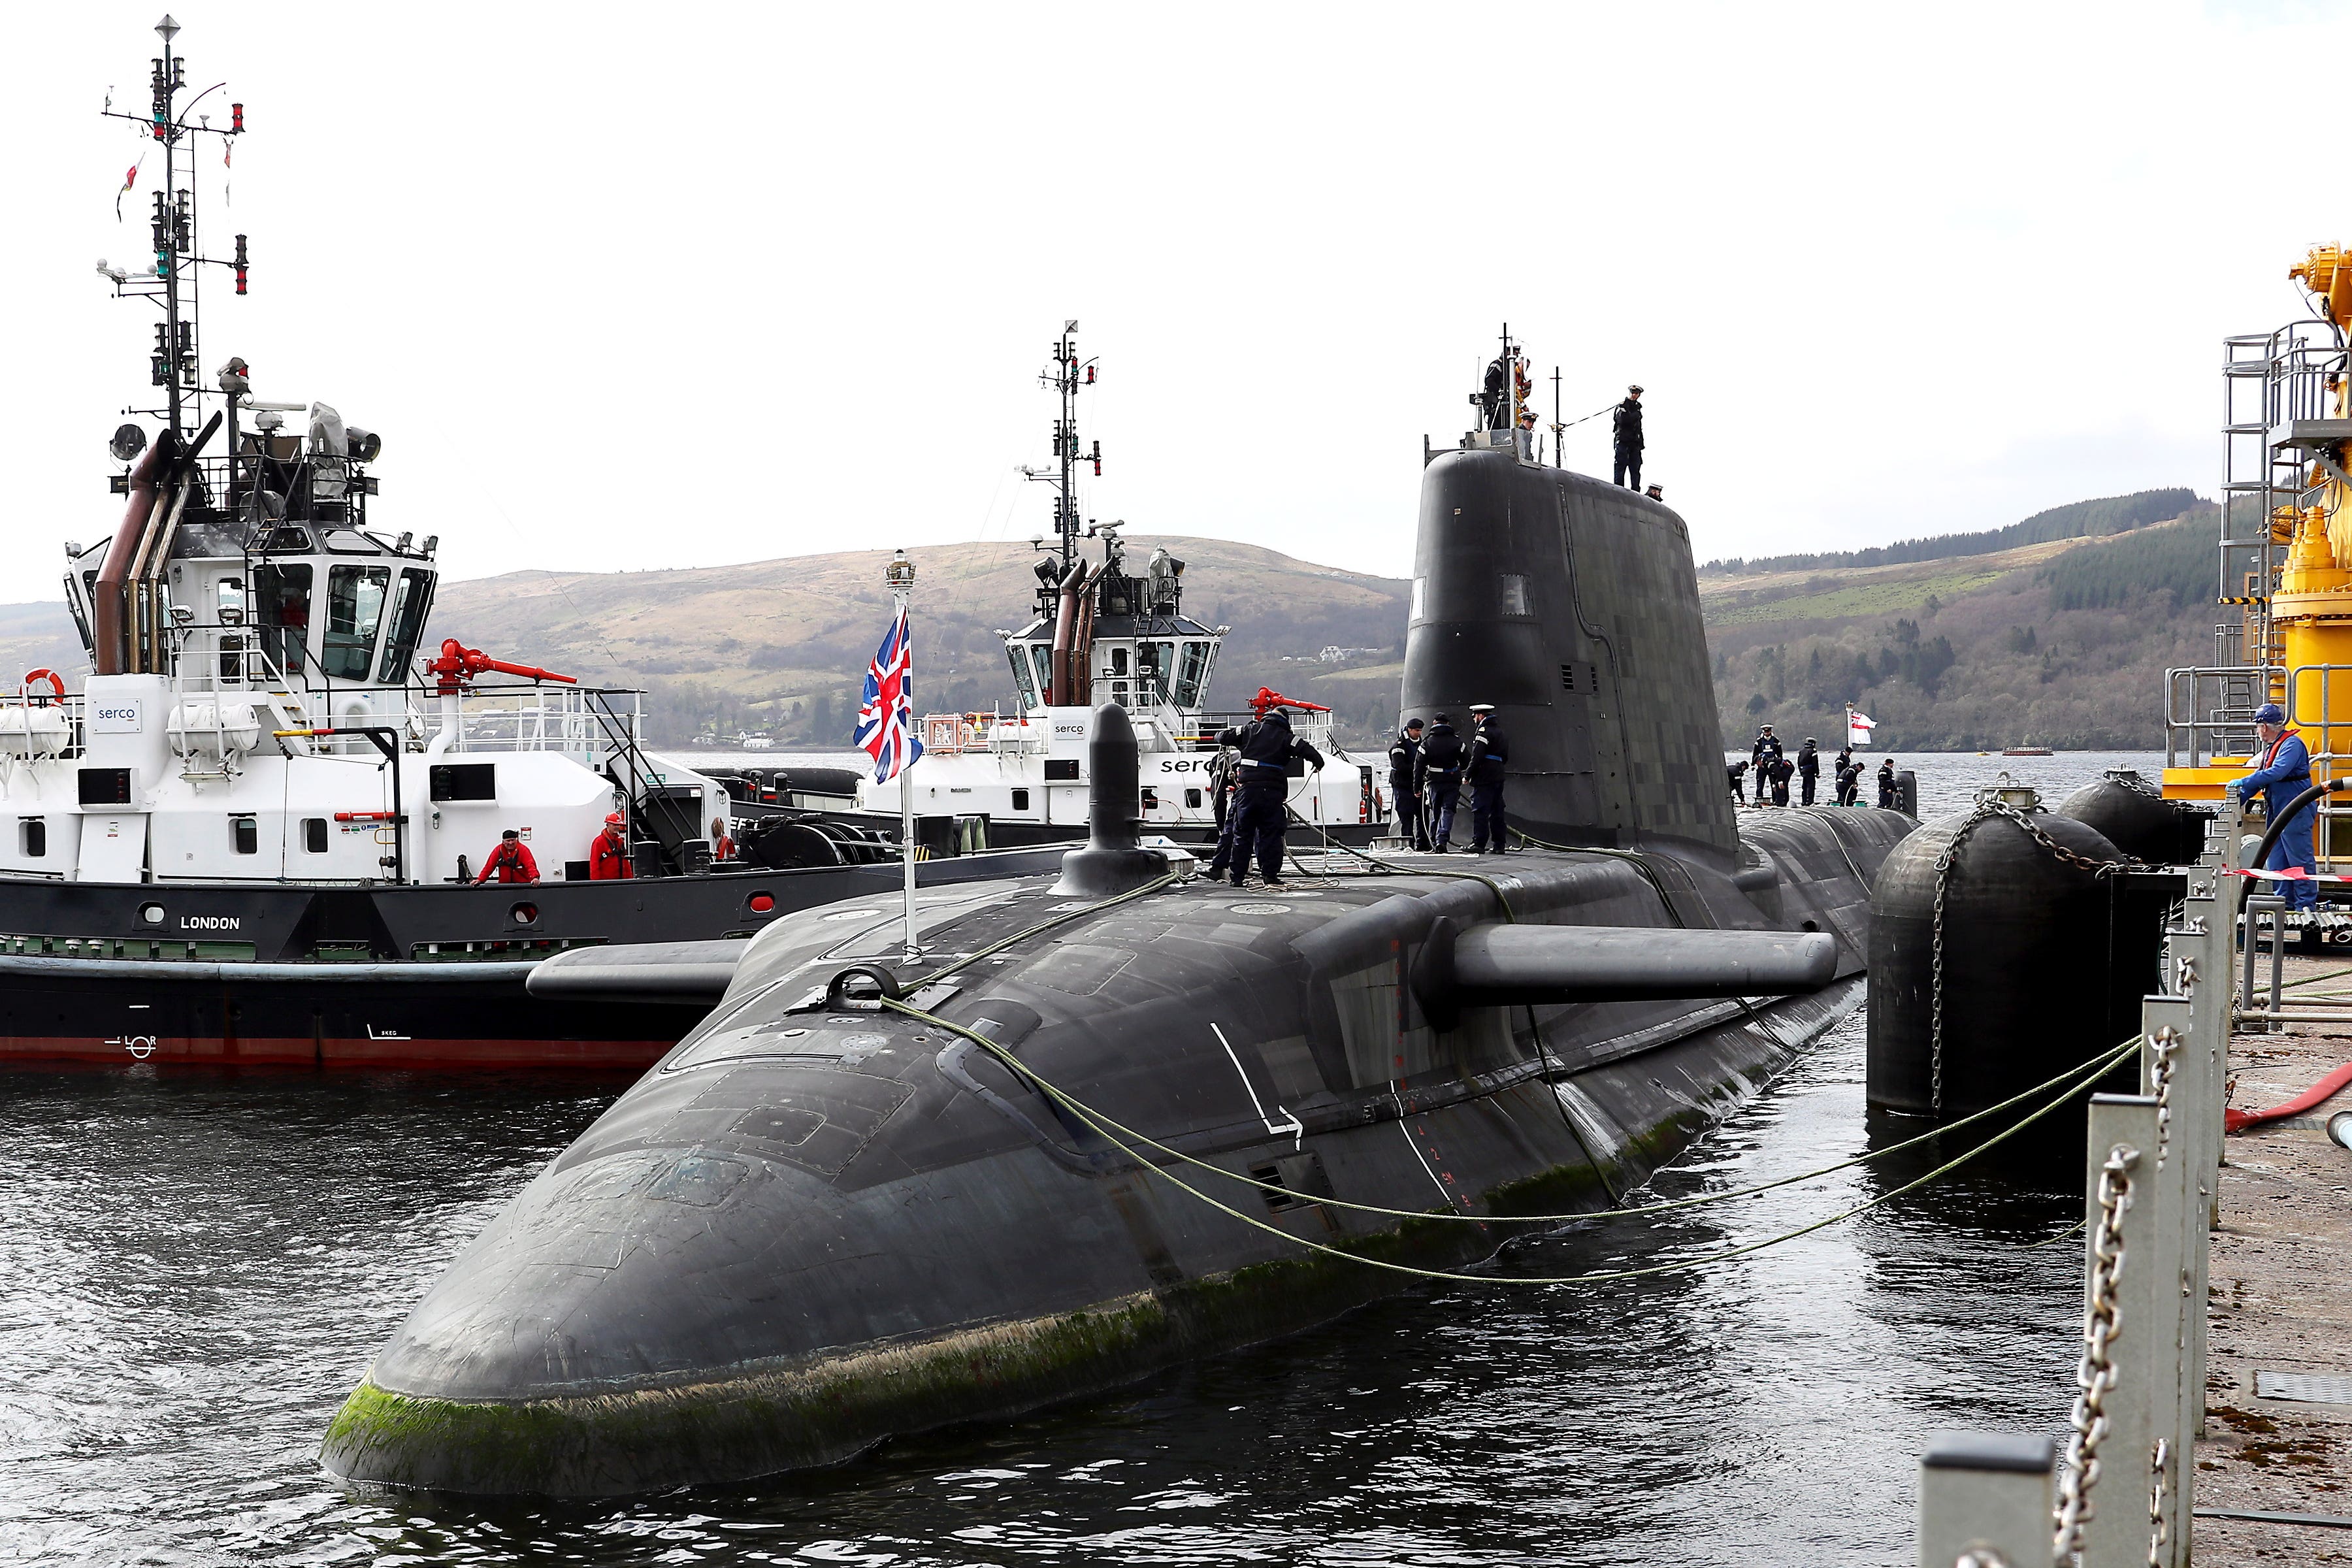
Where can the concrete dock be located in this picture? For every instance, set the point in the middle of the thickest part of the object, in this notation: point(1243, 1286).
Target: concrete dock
point(2281, 1298)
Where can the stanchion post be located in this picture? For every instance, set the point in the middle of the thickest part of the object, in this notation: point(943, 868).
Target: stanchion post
point(2175, 1230)
point(2116, 1526)
point(1985, 1492)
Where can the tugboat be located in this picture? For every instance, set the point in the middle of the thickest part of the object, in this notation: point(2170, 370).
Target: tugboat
point(1123, 1117)
point(253, 833)
point(1100, 631)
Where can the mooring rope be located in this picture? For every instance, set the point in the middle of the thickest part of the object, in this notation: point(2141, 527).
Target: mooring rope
point(1108, 1129)
point(1101, 1127)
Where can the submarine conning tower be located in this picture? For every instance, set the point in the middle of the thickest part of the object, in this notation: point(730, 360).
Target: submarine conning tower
point(1572, 606)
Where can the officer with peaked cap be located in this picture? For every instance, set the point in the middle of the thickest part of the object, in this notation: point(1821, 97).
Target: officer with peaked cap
point(1627, 425)
point(1488, 754)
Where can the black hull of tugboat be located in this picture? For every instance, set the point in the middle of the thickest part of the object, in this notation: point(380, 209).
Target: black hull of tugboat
point(230, 973)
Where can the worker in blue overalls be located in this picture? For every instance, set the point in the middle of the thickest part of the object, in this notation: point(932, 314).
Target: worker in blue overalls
point(2283, 773)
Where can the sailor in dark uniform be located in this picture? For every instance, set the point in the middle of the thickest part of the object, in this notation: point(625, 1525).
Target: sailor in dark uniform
point(1222, 782)
point(1405, 760)
point(1737, 772)
point(1627, 426)
point(1443, 758)
point(1808, 768)
point(1488, 754)
point(1491, 402)
point(1763, 754)
point(1262, 807)
point(1886, 784)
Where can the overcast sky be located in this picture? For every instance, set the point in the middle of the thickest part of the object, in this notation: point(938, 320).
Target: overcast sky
point(663, 286)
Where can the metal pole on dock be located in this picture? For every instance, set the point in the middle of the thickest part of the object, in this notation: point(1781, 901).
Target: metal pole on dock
point(900, 575)
point(2106, 1493)
point(1986, 1494)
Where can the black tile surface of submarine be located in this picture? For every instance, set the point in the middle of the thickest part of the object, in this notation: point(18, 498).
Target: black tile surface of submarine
point(812, 1226)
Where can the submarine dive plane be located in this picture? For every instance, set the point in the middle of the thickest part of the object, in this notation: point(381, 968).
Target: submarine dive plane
point(1110, 1118)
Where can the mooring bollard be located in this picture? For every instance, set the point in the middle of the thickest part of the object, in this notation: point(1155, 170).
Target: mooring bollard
point(1985, 1501)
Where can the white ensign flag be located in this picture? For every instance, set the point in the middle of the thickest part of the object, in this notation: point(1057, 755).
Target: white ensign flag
point(1858, 727)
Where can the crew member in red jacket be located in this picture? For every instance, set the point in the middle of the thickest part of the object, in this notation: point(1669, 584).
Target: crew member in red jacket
point(722, 843)
point(510, 861)
point(608, 858)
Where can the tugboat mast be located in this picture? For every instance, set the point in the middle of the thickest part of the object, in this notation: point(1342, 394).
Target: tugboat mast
point(1067, 377)
point(173, 364)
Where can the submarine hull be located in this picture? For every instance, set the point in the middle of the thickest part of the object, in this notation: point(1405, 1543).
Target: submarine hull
point(808, 1230)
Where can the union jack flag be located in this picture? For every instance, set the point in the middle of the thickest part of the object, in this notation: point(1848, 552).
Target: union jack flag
point(886, 720)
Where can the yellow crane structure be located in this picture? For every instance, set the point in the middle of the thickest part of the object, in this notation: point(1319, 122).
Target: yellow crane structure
point(2287, 555)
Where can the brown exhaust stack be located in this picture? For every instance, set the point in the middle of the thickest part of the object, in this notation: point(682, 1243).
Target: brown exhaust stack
point(110, 650)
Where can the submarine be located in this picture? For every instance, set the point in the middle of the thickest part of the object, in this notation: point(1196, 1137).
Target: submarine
point(1119, 1115)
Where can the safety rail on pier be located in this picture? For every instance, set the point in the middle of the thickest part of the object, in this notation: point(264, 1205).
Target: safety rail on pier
point(2122, 1493)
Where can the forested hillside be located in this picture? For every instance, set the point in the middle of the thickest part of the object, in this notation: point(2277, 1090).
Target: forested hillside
point(2059, 638)
point(2077, 520)
point(2062, 643)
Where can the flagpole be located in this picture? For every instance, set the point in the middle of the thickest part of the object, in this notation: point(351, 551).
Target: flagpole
point(900, 574)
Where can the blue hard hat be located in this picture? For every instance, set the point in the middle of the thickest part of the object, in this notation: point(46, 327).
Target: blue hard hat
point(2270, 713)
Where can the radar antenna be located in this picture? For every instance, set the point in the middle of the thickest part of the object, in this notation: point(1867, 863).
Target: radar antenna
point(1068, 376)
point(173, 364)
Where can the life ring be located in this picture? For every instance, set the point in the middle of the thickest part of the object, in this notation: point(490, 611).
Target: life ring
point(56, 682)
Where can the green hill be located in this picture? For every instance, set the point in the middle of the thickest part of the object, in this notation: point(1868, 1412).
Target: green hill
point(2062, 643)
point(2077, 520)
point(2058, 637)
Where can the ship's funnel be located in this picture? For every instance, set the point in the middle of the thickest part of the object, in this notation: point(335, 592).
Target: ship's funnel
point(1113, 861)
point(1572, 606)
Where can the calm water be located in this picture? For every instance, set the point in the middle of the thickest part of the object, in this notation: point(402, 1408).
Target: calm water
point(194, 1270)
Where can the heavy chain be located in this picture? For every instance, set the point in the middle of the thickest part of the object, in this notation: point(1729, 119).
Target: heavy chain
point(2159, 1529)
point(1985, 810)
point(2096, 1376)
point(2163, 1045)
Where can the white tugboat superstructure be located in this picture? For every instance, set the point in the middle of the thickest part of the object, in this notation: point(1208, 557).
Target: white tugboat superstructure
point(1103, 632)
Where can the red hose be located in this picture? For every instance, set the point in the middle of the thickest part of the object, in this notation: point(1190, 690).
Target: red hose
point(2316, 1095)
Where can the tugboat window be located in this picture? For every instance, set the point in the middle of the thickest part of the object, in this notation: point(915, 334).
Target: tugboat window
point(247, 834)
point(281, 596)
point(1021, 678)
point(355, 597)
point(1118, 662)
point(81, 620)
point(409, 607)
point(1192, 674)
point(1153, 661)
point(314, 835)
point(33, 836)
point(1044, 658)
point(1020, 800)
